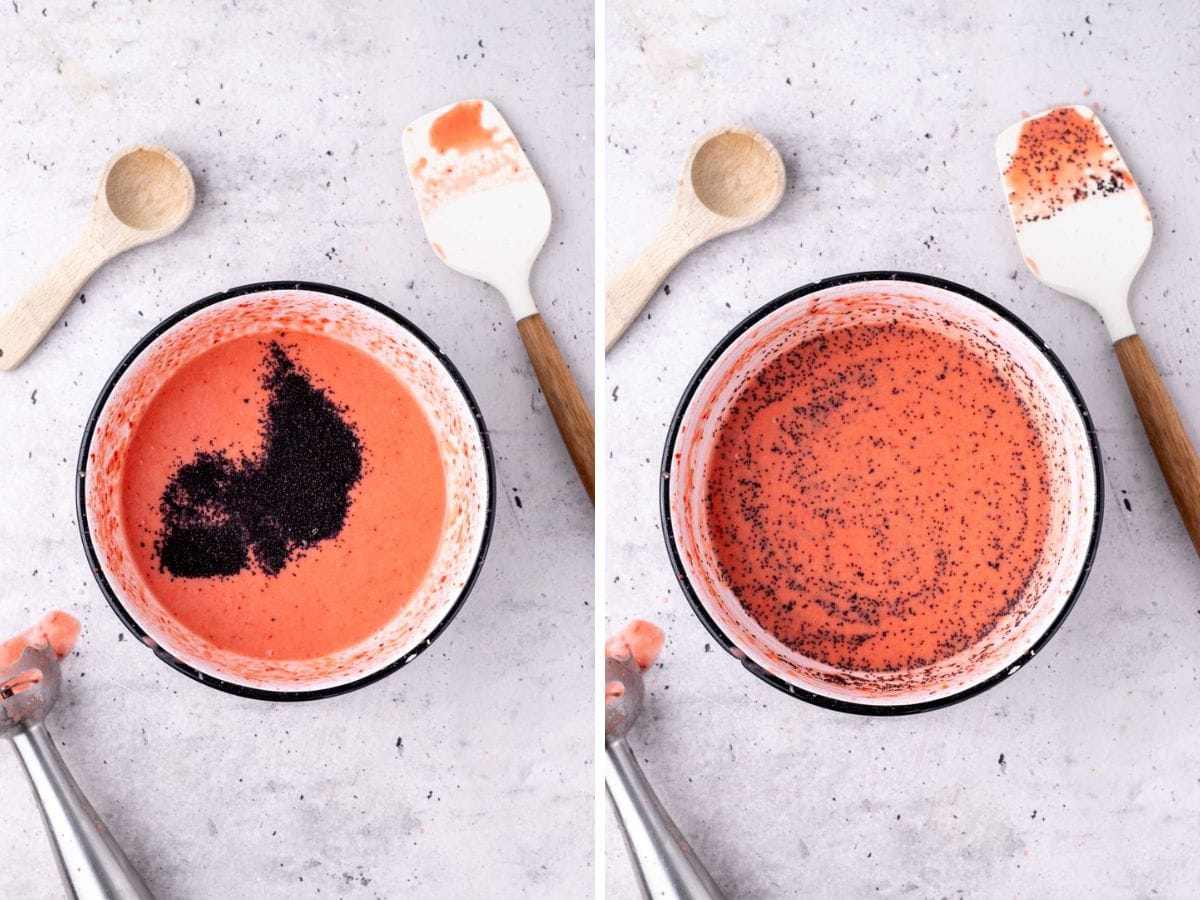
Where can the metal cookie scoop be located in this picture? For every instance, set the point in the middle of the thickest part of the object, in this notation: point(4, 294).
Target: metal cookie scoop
point(92, 866)
point(663, 860)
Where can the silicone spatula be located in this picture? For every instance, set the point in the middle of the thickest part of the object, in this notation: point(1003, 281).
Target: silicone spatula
point(487, 215)
point(1084, 229)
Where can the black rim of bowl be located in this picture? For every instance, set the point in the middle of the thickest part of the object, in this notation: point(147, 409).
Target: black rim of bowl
point(110, 594)
point(693, 597)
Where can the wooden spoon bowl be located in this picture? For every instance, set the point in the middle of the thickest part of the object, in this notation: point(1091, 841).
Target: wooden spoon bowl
point(149, 189)
point(736, 174)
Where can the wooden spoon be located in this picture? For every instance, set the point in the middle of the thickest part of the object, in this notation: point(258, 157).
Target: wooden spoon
point(733, 178)
point(145, 193)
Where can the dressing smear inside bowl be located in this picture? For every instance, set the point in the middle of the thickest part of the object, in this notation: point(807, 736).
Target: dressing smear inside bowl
point(881, 493)
point(286, 490)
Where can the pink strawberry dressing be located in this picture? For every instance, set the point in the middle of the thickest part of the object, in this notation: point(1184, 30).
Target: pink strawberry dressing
point(58, 629)
point(640, 640)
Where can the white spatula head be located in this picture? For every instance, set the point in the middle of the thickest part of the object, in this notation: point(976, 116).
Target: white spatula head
point(1082, 224)
point(484, 208)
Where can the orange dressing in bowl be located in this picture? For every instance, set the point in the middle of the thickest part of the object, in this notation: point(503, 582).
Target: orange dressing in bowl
point(283, 495)
point(877, 497)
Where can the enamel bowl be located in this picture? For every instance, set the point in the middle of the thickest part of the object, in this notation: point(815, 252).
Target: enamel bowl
point(1041, 382)
point(390, 340)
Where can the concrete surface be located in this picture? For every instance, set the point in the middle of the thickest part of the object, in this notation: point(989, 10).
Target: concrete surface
point(1078, 776)
point(469, 773)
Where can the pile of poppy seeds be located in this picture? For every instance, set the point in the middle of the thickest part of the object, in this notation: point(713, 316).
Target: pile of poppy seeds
point(222, 516)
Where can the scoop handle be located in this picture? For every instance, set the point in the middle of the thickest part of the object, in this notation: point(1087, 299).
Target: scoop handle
point(663, 860)
point(1168, 438)
point(570, 411)
point(91, 863)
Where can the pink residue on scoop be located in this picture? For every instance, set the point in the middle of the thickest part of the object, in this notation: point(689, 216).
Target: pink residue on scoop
point(58, 629)
point(613, 690)
point(640, 639)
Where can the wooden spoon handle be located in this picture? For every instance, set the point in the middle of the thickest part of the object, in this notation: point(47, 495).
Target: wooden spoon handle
point(23, 327)
point(1176, 456)
point(571, 413)
point(629, 292)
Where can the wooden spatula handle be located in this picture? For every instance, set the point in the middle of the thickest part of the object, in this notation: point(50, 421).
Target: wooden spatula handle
point(1176, 456)
point(571, 413)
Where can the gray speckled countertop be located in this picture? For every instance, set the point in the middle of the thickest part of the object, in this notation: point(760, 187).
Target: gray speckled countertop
point(1079, 776)
point(468, 772)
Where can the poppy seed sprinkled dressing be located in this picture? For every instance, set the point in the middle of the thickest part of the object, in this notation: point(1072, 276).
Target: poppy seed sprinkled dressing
point(283, 495)
point(221, 515)
point(877, 497)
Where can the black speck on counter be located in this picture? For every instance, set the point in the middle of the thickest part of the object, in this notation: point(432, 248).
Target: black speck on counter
point(667, 289)
point(400, 746)
point(33, 397)
point(218, 513)
point(1001, 761)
